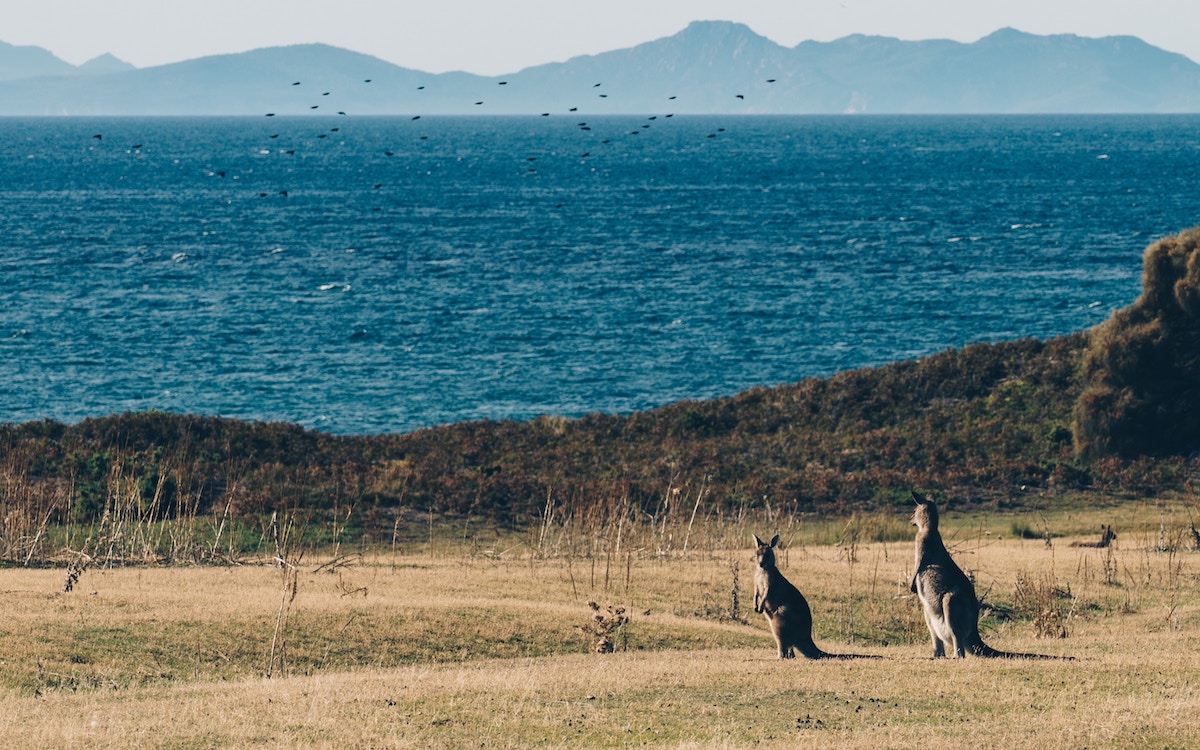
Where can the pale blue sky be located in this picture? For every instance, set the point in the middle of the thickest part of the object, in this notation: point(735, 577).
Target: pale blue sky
point(502, 36)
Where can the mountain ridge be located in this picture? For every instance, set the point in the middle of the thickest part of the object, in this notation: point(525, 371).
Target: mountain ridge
point(19, 62)
point(709, 67)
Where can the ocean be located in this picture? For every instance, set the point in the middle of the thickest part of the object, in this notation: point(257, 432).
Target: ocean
point(364, 275)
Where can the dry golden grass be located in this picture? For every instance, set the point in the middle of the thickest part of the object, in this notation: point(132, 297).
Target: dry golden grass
point(716, 698)
point(471, 650)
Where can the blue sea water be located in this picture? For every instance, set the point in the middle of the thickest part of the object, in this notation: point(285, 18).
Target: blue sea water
point(425, 272)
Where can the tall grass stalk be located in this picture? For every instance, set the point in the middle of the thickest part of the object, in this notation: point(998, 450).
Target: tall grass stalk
point(288, 553)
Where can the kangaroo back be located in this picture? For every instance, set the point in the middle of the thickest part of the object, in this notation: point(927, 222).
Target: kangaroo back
point(787, 611)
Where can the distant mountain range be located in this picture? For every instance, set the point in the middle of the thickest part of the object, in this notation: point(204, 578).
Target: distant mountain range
point(712, 67)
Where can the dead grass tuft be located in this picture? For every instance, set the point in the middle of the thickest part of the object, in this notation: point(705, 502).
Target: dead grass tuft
point(605, 627)
point(1039, 597)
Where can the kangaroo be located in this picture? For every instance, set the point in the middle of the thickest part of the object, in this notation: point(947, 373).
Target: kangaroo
point(785, 608)
point(1107, 537)
point(947, 595)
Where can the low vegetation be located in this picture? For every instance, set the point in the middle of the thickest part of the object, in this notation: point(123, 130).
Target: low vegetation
point(989, 418)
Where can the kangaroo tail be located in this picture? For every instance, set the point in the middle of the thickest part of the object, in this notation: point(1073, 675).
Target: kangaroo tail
point(811, 651)
point(982, 649)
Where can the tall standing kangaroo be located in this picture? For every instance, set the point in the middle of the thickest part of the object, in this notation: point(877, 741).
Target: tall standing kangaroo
point(947, 595)
point(785, 608)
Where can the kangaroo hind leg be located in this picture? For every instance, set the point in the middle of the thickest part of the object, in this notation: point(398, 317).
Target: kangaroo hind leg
point(936, 624)
point(779, 630)
point(939, 649)
point(954, 616)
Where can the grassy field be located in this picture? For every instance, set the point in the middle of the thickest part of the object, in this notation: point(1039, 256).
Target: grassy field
point(489, 643)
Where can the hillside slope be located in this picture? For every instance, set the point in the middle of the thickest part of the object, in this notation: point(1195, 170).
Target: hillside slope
point(990, 421)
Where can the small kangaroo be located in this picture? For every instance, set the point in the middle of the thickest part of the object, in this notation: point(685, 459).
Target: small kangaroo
point(947, 595)
point(1107, 537)
point(785, 608)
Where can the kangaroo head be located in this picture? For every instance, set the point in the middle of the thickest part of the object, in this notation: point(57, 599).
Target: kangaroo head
point(925, 515)
point(1107, 533)
point(764, 553)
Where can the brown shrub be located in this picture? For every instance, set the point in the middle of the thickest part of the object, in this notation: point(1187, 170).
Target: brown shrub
point(1142, 366)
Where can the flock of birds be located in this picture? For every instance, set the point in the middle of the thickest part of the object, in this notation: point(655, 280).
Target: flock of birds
point(584, 126)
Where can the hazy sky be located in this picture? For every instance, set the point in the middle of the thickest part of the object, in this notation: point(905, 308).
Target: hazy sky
point(502, 36)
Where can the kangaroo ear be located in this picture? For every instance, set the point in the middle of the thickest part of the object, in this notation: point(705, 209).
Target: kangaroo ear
point(758, 541)
point(916, 496)
point(775, 541)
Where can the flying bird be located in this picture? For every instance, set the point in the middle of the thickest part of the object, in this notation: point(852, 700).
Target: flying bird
point(98, 136)
point(595, 85)
point(297, 83)
point(366, 80)
point(269, 114)
point(416, 117)
point(770, 80)
point(740, 96)
point(502, 83)
point(478, 103)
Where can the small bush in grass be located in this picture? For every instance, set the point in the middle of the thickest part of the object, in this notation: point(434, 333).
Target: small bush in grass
point(604, 627)
point(1040, 598)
